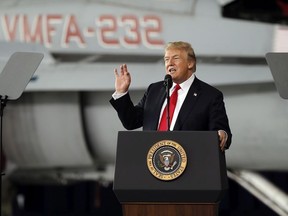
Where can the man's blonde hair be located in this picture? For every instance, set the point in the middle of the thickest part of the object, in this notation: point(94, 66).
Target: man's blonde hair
point(181, 45)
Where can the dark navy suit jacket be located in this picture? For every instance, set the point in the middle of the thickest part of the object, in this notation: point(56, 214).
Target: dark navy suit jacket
point(203, 109)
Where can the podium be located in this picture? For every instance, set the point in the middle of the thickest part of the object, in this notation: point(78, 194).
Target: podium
point(173, 173)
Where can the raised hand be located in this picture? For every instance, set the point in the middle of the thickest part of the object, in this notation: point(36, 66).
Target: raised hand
point(122, 79)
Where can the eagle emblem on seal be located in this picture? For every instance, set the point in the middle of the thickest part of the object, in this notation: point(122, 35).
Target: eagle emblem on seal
point(167, 159)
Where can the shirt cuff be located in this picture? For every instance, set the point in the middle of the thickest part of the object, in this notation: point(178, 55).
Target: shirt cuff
point(117, 95)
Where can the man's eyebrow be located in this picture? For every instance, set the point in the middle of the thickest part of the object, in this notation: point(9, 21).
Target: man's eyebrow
point(166, 57)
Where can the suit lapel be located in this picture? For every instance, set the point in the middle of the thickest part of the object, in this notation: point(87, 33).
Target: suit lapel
point(159, 100)
point(188, 104)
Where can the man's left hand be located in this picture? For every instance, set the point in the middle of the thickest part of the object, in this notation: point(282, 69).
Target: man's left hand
point(222, 138)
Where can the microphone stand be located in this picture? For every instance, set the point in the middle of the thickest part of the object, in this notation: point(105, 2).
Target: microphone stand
point(168, 85)
point(167, 107)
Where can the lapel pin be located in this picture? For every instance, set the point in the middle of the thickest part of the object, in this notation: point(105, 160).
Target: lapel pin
point(195, 94)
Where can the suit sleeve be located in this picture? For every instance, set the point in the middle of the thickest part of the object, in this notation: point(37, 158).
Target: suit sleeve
point(218, 119)
point(131, 116)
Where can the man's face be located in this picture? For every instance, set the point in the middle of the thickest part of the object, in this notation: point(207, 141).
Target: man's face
point(178, 65)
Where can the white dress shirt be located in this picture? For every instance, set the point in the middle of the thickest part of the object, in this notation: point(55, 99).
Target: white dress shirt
point(181, 97)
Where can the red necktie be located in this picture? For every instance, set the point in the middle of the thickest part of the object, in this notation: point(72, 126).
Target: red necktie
point(163, 126)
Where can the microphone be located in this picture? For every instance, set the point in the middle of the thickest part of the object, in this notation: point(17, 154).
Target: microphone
point(168, 81)
point(168, 84)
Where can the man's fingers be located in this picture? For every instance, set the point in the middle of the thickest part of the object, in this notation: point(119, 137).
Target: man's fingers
point(222, 145)
point(116, 72)
point(123, 71)
point(222, 138)
point(125, 68)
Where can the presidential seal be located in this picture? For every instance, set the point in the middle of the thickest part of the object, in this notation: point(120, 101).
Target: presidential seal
point(166, 160)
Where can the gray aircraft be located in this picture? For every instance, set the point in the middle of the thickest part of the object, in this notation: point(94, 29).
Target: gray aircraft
point(63, 121)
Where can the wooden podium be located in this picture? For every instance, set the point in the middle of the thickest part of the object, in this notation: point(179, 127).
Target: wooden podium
point(193, 185)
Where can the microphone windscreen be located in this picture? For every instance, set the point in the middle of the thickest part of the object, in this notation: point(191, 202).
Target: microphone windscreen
point(168, 81)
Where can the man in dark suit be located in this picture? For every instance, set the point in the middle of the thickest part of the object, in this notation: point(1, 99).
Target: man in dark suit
point(200, 107)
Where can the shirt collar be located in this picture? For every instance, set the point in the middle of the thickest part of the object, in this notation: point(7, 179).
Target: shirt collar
point(186, 84)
